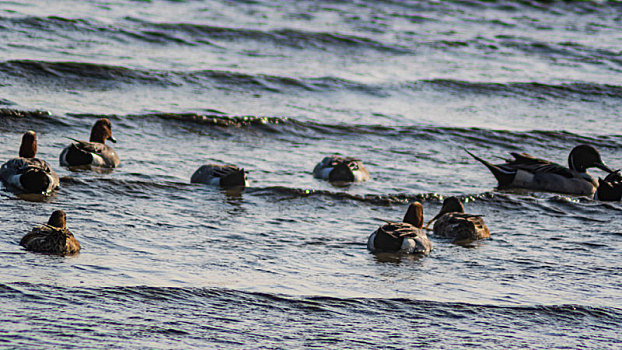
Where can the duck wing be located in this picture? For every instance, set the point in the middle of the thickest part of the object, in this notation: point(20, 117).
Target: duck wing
point(527, 162)
point(224, 170)
point(399, 230)
point(91, 147)
point(21, 165)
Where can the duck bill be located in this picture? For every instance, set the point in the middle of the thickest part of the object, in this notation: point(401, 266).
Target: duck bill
point(604, 167)
point(111, 138)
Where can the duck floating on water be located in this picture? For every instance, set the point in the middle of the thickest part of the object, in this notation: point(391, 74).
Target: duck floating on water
point(526, 171)
point(341, 169)
point(452, 222)
point(402, 237)
point(225, 176)
point(52, 238)
point(28, 174)
point(95, 152)
point(610, 189)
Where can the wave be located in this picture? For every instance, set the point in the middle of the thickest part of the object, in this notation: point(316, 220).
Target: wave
point(188, 295)
point(190, 34)
point(105, 77)
point(144, 187)
point(508, 140)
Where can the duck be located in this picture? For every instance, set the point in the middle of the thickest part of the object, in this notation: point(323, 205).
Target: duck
point(609, 189)
point(52, 238)
point(452, 222)
point(27, 174)
point(336, 168)
point(405, 237)
point(95, 152)
point(225, 176)
point(526, 171)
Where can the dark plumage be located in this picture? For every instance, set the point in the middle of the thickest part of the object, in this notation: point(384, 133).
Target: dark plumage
point(225, 176)
point(53, 238)
point(526, 171)
point(95, 152)
point(402, 237)
point(610, 189)
point(28, 174)
point(452, 222)
point(341, 169)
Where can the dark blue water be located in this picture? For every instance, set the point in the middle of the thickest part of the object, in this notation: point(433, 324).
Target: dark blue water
point(273, 86)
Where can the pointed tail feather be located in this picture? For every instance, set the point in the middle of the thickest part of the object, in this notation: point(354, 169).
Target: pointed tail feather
point(503, 176)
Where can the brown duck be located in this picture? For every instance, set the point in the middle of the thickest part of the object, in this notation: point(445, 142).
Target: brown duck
point(402, 237)
point(52, 238)
point(452, 222)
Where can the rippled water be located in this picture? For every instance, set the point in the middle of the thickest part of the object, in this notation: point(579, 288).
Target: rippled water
point(273, 86)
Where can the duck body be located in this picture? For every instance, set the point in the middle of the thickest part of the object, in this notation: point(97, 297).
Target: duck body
point(29, 175)
point(452, 222)
point(406, 237)
point(399, 237)
point(610, 189)
point(461, 227)
point(526, 171)
point(95, 152)
point(52, 238)
point(83, 153)
point(341, 169)
point(225, 176)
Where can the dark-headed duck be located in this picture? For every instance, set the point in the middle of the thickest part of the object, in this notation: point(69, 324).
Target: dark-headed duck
point(28, 174)
point(402, 237)
point(95, 152)
point(52, 238)
point(526, 171)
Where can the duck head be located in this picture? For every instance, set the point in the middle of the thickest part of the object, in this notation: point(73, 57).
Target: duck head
point(583, 157)
point(450, 205)
point(414, 215)
point(28, 148)
point(102, 131)
point(58, 219)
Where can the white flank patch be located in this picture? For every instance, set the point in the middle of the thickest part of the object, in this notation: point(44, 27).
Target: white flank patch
point(523, 178)
point(98, 160)
point(409, 245)
point(13, 180)
point(324, 172)
point(370, 242)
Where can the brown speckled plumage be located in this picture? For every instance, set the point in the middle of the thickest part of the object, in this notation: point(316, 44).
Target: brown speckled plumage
point(52, 238)
point(452, 222)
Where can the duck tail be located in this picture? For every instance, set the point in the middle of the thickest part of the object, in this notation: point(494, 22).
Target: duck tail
point(504, 177)
point(75, 155)
point(234, 179)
